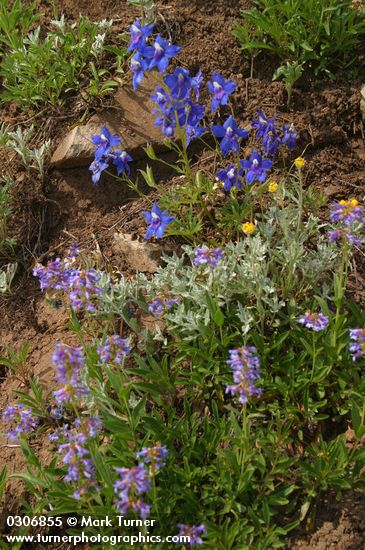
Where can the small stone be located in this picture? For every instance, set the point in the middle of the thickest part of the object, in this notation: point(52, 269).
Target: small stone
point(131, 119)
point(144, 257)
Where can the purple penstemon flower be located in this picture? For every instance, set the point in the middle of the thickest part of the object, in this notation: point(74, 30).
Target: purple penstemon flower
point(105, 140)
point(158, 221)
point(72, 445)
point(230, 177)
point(138, 34)
point(160, 53)
point(357, 346)
point(347, 212)
point(194, 533)
point(114, 349)
point(204, 255)
point(161, 304)
point(132, 485)
point(246, 371)
point(256, 168)
point(22, 420)
point(69, 362)
point(220, 88)
point(84, 290)
point(344, 236)
point(229, 134)
point(97, 167)
point(154, 457)
point(314, 321)
point(55, 275)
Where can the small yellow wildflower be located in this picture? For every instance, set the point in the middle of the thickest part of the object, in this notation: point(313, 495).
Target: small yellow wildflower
point(248, 228)
point(273, 187)
point(299, 162)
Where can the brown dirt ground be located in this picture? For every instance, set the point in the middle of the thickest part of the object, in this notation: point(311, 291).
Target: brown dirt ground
point(50, 215)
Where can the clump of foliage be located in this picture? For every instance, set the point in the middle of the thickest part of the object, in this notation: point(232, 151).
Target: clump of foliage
point(224, 419)
point(43, 70)
point(320, 34)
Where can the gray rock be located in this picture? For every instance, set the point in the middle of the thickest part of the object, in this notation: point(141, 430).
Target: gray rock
point(131, 119)
point(144, 257)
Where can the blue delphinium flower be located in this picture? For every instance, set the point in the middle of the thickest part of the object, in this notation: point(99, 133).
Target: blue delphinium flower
point(138, 34)
point(230, 177)
point(160, 53)
point(246, 371)
point(196, 82)
point(132, 485)
point(22, 420)
point(179, 83)
point(271, 143)
point(314, 321)
point(114, 349)
point(357, 346)
point(256, 168)
point(97, 167)
point(105, 140)
point(138, 65)
point(154, 457)
point(347, 212)
point(289, 137)
point(229, 134)
point(120, 161)
point(263, 124)
point(203, 256)
point(158, 221)
point(194, 533)
point(220, 88)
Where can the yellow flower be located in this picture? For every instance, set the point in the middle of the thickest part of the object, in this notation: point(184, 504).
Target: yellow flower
point(273, 187)
point(299, 162)
point(248, 228)
point(350, 202)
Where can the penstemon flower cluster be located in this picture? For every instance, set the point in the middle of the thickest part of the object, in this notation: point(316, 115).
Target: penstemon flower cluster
point(349, 217)
point(20, 418)
point(135, 482)
point(62, 277)
point(246, 371)
point(73, 447)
